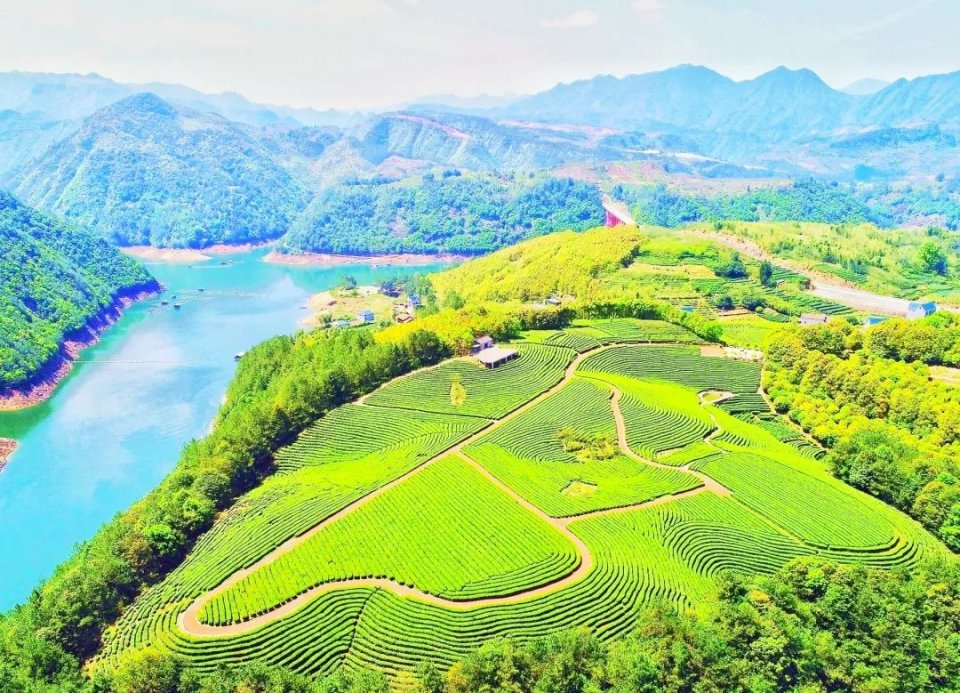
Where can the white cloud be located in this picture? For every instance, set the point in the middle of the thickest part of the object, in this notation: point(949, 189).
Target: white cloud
point(574, 20)
point(648, 7)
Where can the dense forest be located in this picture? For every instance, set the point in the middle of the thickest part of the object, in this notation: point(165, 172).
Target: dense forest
point(142, 171)
point(893, 432)
point(54, 280)
point(443, 212)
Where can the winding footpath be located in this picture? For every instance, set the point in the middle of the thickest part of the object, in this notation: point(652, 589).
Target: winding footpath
point(189, 620)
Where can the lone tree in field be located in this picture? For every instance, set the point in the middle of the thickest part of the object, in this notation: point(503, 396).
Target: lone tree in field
point(932, 259)
point(766, 274)
point(458, 393)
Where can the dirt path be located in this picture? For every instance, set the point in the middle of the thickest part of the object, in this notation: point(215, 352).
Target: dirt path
point(189, 622)
point(823, 285)
point(709, 484)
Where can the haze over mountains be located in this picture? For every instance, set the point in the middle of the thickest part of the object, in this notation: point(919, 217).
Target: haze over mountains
point(175, 166)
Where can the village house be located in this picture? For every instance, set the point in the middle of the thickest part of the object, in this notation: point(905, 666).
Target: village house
point(365, 316)
point(481, 343)
point(917, 310)
point(404, 317)
point(389, 290)
point(813, 319)
point(873, 320)
point(494, 356)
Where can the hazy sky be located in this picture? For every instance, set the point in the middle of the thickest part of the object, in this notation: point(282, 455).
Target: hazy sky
point(361, 53)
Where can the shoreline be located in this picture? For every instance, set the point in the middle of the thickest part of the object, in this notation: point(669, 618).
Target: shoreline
point(337, 259)
point(149, 253)
point(7, 448)
point(45, 381)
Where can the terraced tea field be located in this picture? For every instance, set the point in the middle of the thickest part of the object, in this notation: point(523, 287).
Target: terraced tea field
point(572, 487)
point(490, 393)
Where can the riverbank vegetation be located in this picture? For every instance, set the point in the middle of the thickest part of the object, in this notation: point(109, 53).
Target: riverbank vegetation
point(280, 386)
point(56, 282)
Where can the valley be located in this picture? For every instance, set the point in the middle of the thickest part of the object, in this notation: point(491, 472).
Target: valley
point(116, 424)
point(448, 347)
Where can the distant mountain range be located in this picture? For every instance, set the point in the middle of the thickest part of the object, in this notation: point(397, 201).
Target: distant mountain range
point(794, 103)
point(865, 87)
point(72, 96)
point(174, 166)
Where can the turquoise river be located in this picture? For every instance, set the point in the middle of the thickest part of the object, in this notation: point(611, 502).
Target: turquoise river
point(117, 423)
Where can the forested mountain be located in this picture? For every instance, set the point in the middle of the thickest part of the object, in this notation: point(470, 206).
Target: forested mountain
point(54, 281)
point(143, 171)
point(449, 212)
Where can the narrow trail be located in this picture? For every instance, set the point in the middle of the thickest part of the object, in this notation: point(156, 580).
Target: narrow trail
point(189, 622)
point(709, 484)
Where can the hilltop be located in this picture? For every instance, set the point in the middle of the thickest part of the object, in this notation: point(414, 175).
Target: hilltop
point(142, 171)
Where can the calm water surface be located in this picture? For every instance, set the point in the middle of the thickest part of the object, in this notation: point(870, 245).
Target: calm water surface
point(116, 425)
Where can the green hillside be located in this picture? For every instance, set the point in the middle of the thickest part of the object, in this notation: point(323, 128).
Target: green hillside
point(54, 280)
point(372, 505)
point(445, 538)
point(142, 171)
point(444, 212)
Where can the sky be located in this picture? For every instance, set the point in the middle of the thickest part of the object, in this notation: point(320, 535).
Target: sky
point(379, 53)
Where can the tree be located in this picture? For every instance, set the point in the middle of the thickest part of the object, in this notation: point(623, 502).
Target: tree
point(931, 258)
point(458, 393)
point(766, 274)
point(454, 300)
point(724, 302)
point(148, 671)
point(733, 268)
point(950, 529)
point(876, 461)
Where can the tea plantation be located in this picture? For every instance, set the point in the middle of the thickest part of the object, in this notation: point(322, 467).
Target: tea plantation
point(571, 487)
